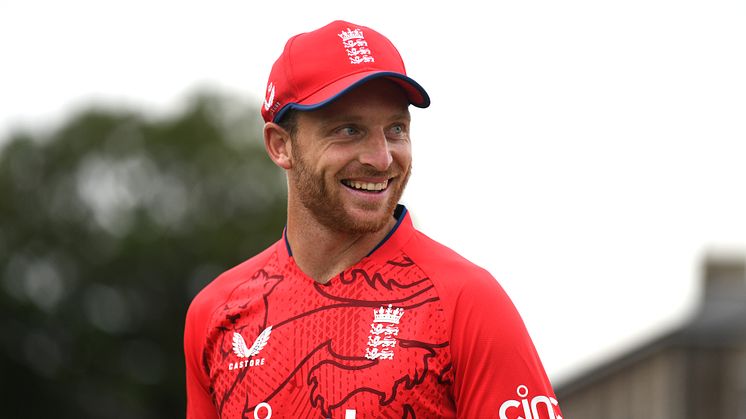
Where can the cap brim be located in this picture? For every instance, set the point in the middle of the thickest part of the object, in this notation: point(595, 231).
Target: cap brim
point(416, 94)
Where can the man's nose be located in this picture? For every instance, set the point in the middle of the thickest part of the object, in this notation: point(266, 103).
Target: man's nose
point(376, 151)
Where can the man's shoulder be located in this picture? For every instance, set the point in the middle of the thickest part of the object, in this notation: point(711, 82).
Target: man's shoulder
point(443, 264)
point(462, 285)
point(219, 288)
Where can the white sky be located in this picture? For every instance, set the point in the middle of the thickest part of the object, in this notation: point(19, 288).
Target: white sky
point(588, 154)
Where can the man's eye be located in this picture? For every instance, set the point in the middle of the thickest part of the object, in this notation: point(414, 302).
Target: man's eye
point(348, 131)
point(398, 130)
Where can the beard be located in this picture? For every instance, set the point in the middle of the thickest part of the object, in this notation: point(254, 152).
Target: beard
point(327, 207)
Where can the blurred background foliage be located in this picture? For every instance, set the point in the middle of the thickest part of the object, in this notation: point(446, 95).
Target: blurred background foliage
point(109, 225)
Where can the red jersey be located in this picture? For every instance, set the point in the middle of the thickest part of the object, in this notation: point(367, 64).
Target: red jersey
point(411, 330)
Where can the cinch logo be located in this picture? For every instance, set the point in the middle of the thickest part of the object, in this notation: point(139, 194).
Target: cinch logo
point(530, 408)
point(243, 351)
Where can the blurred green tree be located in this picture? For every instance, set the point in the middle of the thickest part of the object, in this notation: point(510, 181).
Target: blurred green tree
point(109, 226)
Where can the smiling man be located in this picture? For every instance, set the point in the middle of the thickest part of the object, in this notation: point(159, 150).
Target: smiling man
point(353, 312)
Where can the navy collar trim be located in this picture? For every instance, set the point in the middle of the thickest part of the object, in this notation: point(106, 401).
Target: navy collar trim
point(287, 243)
point(399, 213)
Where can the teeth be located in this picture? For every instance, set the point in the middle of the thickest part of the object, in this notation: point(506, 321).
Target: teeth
point(367, 186)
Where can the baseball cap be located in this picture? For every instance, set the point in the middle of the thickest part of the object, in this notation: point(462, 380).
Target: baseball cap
point(319, 66)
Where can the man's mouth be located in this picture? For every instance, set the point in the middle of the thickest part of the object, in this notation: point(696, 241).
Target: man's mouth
point(366, 186)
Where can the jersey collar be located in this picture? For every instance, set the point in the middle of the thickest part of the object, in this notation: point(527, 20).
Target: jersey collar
point(390, 245)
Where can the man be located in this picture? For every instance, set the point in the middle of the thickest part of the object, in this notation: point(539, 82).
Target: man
point(354, 313)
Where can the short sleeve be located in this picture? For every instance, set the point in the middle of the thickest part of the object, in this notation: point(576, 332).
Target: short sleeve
point(199, 400)
point(497, 370)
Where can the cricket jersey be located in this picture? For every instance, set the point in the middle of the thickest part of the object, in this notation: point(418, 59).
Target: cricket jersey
point(413, 330)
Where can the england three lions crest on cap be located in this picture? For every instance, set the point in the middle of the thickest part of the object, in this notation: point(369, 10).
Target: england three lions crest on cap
point(356, 46)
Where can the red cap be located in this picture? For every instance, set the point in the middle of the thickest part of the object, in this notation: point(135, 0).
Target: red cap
point(317, 67)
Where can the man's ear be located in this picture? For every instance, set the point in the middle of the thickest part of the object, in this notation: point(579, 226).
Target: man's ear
point(277, 143)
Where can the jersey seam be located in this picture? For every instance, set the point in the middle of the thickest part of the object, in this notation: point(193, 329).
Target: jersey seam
point(450, 313)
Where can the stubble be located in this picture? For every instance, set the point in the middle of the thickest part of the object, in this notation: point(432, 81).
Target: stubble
point(325, 203)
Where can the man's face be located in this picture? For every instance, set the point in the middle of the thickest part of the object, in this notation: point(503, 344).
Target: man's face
point(352, 158)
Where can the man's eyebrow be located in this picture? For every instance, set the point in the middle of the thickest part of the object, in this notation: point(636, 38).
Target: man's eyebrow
point(352, 117)
point(343, 117)
point(404, 115)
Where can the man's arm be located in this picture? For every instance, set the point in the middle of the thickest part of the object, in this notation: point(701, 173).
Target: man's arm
point(498, 372)
point(199, 401)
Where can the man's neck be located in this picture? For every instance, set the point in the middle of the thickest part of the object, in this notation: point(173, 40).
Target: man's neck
point(322, 253)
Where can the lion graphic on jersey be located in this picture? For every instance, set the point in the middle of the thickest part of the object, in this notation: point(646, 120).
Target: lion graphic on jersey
point(315, 362)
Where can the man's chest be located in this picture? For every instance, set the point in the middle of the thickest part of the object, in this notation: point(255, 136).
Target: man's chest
point(374, 343)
